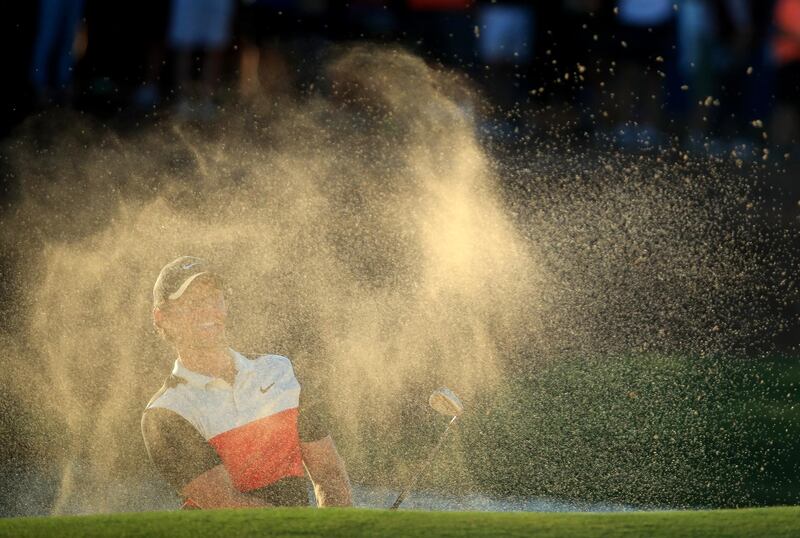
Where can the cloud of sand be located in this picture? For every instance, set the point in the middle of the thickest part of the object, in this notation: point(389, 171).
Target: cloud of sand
point(360, 234)
point(363, 232)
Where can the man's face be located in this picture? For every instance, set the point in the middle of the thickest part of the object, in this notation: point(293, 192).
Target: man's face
point(197, 317)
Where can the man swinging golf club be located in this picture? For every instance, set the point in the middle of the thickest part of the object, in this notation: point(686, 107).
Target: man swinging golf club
point(228, 430)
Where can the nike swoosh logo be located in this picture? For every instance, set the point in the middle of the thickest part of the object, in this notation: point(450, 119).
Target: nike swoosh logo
point(264, 390)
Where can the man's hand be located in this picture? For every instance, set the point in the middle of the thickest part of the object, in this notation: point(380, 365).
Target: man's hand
point(214, 489)
point(327, 471)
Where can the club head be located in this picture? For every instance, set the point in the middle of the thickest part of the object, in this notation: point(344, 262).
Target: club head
point(446, 402)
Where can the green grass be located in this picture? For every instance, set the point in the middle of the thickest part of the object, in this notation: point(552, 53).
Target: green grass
point(746, 523)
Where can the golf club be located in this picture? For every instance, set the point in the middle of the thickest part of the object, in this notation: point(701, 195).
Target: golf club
point(446, 402)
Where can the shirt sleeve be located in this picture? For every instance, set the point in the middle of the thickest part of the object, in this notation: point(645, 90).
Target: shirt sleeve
point(313, 419)
point(176, 448)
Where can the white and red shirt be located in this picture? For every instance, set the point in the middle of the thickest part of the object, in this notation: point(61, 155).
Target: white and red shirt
point(253, 428)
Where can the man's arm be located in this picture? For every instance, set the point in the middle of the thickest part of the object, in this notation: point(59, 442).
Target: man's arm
point(327, 471)
point(189, 463)
point(214, 489)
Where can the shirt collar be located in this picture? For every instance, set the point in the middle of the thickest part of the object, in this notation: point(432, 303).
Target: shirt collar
point(242, 364)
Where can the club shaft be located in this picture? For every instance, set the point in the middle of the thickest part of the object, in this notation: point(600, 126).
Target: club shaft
point(424, 467)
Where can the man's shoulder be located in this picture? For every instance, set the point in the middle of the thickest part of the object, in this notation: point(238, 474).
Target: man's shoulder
point(267, 358)
point(264, 356)
point(273, 366)
point(168, 395)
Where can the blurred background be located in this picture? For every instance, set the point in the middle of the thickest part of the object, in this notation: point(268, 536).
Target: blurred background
point(712, 86)
point(722, 73)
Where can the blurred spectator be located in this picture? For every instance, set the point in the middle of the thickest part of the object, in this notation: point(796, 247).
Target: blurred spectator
point(153, 29)
point(202, 26)
point(696, 31)
point(786, 54)
point(720, 49)
point(646, 36)
point(505, 32)
point(18, 23)
point(573, 62)
point(266, 26)
point(731, 59)
point(442, 29)
point(51, 65)
point(759, 82)
point(370, 19)
point(281, 40)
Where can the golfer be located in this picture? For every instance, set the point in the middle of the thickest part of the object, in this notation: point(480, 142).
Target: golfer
point(228, 430)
